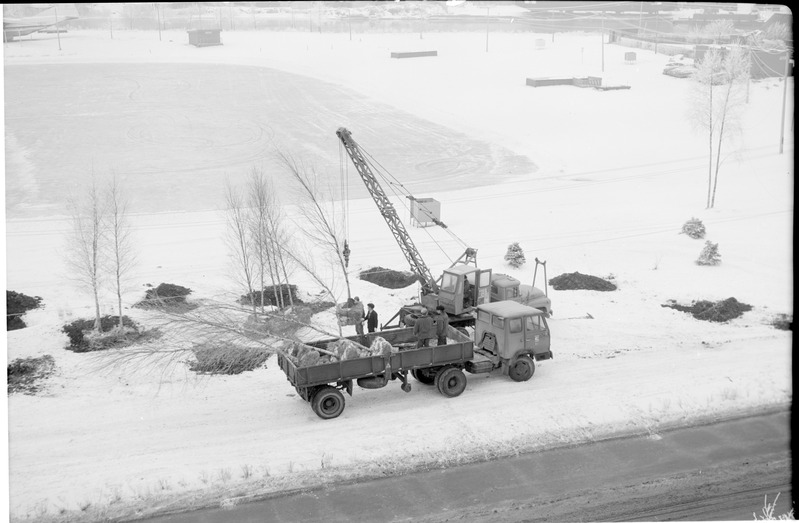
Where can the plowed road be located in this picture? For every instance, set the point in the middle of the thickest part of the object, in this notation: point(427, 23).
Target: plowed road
point(720, 471)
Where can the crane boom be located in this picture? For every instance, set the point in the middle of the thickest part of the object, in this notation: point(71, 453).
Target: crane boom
point(388, 212)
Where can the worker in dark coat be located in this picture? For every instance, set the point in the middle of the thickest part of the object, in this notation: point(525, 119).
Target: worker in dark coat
point(442, 322)
point(371, 317)
point(423, 329)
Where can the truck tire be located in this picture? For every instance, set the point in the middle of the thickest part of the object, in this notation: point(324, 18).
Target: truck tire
point(425, 376)
point(522, 369)
point(451, 382)
point(328, 402)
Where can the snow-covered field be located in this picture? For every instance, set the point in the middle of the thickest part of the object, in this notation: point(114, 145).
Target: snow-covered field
point(611, 178)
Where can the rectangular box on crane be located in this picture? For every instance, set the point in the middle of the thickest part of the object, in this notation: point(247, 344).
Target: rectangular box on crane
point(425, 212)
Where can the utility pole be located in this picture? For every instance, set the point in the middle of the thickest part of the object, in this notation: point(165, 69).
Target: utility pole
point(603, 42)
point(487, 21)
point(57, 30)
point(158, 17)
point(784, 96)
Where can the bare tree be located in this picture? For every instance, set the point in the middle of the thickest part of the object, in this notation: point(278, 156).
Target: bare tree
point(319, 222)
point(260, 198)
point(85, 257)
point(122, 255)
point(717, 99)
point(239, 240)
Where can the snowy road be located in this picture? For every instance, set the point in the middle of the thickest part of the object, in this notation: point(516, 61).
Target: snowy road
point(719, 471)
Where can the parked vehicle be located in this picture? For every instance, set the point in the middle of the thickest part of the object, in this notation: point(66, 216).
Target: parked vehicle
point(511, 336)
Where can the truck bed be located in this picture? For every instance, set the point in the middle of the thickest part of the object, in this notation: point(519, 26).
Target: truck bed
point(459, 349)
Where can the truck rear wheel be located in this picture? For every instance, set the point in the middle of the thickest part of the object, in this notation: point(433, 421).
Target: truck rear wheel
point(424, 376)
point(451, 382)
point(328, 402)
point(522, 369)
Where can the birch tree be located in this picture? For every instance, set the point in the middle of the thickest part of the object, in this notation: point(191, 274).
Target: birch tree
point(320, 225)
point(717, 99)
point(85, 246)
point(239, 240)
point(121, 253)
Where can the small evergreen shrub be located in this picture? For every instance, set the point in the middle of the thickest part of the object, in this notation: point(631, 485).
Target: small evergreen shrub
point(166, 294)
point(78, 333)
point(25, 374)
point(515, 255)
point(694, 228)
point(709, 255)
point(18, 304)
point(226, 359)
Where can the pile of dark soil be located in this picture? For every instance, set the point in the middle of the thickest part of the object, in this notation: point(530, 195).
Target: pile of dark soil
point(387, 278)
point(288, 294)
point(783, 322)
point(720, 311)
point(25, 374)
point(18, 304)
point(165, 295)
point(82, 337)
point(576, 281)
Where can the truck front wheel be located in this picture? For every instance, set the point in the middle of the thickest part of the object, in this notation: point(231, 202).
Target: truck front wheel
point(522, 369)
point(451, 382)
point(328, 402)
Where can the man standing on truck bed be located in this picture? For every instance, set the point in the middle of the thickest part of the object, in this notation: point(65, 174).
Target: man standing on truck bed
point(442, 321)
point(423, 329)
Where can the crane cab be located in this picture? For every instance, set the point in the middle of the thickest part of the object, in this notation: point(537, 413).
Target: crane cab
point(464, 287)
point(504, 287)
point(508, 329)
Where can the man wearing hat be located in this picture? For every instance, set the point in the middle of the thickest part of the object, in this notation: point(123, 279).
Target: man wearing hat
point(442, 322)
point(371, 317)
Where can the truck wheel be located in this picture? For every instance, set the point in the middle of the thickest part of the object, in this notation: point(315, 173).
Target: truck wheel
point(522, 369)
point(451, 382)
point(328, 402)
point(424, 376)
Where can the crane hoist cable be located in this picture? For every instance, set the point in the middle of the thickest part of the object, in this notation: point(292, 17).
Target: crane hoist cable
point(345, 202)
point(393, 182)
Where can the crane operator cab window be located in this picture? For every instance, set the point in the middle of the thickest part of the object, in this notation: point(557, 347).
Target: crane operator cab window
point(449, 282)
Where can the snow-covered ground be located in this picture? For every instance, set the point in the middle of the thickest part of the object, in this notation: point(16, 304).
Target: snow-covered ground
point(616, 175)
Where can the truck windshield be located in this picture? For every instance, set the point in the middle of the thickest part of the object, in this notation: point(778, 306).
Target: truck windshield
point(534, 323)
point(448, 282)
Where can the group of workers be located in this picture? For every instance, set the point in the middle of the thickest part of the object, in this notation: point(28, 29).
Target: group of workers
point(426, 327)
point(370, 316)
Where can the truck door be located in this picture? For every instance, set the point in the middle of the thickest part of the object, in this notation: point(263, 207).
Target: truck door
point(484, 288)
point(536, 335)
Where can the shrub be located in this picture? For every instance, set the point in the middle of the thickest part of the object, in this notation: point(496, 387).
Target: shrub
point(694, 228)
point(286, 292)
point(18, 304)
point(78, 329)
point(709, 255)
point(226, 359)
point(164, 294)
point(387, 278)
point(25, 374)
point(515, 255)
point(783, 322)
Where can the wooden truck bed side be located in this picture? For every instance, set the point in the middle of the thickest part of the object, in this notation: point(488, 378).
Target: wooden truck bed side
point(459, 350)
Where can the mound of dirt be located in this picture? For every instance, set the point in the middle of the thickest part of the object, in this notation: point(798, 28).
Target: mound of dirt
point(387, 278)
point(576, 281)
point(720, 311)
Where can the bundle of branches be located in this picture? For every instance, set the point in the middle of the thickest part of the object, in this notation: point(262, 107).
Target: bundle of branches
point(575, 281)
point(226, 359)
point(719, 311)
point(25, 374)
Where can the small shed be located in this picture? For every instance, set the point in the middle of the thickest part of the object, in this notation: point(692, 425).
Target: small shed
point(204, 37)
point(425, 212)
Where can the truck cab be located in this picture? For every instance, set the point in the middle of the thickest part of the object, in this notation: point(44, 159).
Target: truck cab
point(504, 287)
point(508, 330)
point(464, 287)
